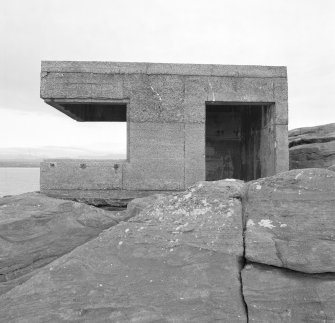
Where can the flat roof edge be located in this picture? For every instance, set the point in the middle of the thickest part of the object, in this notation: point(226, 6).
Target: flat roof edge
point(163, 68)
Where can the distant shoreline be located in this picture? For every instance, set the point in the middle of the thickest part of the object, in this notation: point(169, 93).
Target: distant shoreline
point(26, 164)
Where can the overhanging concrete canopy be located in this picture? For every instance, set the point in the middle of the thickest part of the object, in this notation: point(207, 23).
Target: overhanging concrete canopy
point(91, 111)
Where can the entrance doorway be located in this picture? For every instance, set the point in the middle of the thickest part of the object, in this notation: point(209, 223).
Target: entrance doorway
point(233, 140)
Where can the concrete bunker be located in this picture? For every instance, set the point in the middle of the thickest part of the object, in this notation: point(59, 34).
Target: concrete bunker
point(185, 123)
point(235, 133)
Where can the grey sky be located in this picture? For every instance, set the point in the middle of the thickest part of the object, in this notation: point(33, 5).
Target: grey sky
point(297, 33)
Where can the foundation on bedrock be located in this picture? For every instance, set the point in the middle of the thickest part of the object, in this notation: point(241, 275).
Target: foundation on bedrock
point(185, 123)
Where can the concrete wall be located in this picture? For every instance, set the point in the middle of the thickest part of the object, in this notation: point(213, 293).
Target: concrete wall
point(82, 174)
point(166, 115)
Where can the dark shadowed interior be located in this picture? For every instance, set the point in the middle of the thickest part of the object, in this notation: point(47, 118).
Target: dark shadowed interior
point(97, 112)
point(234, 140)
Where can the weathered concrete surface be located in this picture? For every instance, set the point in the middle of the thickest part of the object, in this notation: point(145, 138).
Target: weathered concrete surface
point(163, 68)
point(279, 295)
point(35, 230)
point(194, 153)
point(281, 153)
point(150, 175)
point(178, 260)
point(165, 92)
point(291, 220)
point(312, 146)
point(166, 113)
point(76, 174)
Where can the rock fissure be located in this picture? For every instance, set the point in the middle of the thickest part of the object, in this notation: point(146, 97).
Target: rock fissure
point(14, 272)
point(289, 265)
point(244, 199)
point(206, 254)
point(304, 141)
point(287, 270)
point(243, 264)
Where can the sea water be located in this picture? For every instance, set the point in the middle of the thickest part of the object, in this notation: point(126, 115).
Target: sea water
point(17, 180)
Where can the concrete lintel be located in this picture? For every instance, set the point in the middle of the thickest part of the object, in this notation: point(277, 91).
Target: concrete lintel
point(87, 100)
point(163, 68)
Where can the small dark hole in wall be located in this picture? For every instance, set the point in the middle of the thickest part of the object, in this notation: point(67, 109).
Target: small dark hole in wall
point(116, 166)
point(83, 166)
point(52, 165)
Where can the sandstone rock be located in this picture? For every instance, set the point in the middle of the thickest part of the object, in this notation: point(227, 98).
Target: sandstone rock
point(7, 285)
point(306, 133)
point(116, 199)
point(291, 220)
point(315, 155)
point(312, 147)
point(280, 295)
point(35, 230)
point(137, 205)
point(178, 260)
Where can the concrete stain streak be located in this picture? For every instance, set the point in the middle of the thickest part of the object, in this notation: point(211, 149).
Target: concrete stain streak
point(156, 93)
point(213, 94)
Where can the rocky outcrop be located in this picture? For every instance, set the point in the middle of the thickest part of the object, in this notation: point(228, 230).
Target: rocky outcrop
point(312, 147)
point(178, 260)
point(290, 224)
point(138, 205)
point(221, 251)
point(291, 221)
point(280, 295)
point(35, 230)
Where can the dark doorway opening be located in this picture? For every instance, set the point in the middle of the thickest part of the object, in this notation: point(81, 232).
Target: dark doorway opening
point(234, 140)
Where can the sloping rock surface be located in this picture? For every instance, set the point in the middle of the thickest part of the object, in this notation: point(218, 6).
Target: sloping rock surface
point(306, 133)
point(35, 230)
point(279, 295)
point(312, 147)
point(291, 221)
point(138, 205)
point(176, 261)
point(180, 258)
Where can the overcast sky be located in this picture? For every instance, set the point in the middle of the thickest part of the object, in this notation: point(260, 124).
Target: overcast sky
point(299, 34)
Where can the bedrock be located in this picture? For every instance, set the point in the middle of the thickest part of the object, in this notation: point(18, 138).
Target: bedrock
point(289, 243)
point(224, 251)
